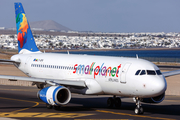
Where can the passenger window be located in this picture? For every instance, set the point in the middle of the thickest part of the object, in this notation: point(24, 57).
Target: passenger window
point(151, 72)
point(143, 72)
point(158, 72)
point(137, 73)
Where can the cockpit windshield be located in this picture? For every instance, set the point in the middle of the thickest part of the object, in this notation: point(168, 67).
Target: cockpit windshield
point(158, 72)
point(151, 72)
point(137, 72)
point(143, 72)
point(148, 72)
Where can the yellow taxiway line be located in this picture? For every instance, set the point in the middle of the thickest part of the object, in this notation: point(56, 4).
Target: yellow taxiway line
point(36, 103)
point(43, 115)
point(142, 116)
point(64, 115)
point(17, 113)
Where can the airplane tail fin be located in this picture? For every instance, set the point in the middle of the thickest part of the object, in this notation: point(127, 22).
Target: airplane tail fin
point(26, 42)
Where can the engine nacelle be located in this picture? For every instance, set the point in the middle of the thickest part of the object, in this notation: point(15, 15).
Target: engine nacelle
point(55, 95)
point(156, 99)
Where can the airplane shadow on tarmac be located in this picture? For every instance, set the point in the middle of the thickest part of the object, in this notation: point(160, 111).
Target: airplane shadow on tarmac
point(125, 106)
point(92, 103)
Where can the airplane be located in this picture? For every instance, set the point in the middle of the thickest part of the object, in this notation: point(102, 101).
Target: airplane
point(58, 75)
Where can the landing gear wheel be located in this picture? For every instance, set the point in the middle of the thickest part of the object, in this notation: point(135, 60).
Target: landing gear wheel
point(138, 110)
point(141, 110)
point(117, 102)
point(57, 107)
point(48, 106)
point(110, 102)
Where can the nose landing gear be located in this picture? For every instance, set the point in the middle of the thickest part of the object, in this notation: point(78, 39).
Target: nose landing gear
point(139, 109)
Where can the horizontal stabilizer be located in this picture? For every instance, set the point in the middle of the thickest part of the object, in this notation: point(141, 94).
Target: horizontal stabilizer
point(8, 61)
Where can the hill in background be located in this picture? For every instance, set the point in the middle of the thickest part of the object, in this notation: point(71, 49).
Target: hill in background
point(48, 25)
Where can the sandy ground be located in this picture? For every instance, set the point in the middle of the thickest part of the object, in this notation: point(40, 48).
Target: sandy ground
point(173, 82)
point(12, 70)
point(173, 85)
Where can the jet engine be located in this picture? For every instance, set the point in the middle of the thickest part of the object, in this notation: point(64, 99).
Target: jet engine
point(156, 99)
point(55, 95)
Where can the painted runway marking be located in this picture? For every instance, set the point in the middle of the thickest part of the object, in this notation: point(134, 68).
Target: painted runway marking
point(37, 103)
point(173, 100)
point(102, 119)
point(142, 116)
point(63, 115)
point(42, 115)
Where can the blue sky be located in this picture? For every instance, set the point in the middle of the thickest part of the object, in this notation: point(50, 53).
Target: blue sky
point(100, 15)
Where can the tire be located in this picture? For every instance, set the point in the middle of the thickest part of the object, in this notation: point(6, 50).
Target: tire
point(117, 102)
point(137, 111)
point(57, 107)
point(48, 106)
point(110, 102)
point(141, 111)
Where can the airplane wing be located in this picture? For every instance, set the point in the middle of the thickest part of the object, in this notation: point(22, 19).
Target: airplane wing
point(171, 73)
point(43, 80)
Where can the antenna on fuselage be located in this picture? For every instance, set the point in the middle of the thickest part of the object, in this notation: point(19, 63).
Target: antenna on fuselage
point(137, 56)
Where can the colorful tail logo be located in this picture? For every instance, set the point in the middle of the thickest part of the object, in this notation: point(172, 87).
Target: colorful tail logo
point(24, 34)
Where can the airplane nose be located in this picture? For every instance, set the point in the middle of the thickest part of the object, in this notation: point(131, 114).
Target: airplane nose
point(160, 86)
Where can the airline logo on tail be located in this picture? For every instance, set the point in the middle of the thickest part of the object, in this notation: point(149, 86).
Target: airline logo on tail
point(26, 43)
point(22, 27)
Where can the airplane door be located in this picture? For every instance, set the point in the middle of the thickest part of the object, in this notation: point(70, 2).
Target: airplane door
point(124, 72)
point(26, 65)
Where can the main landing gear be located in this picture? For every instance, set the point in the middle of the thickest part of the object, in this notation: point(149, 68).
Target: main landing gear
point(115, 101)
point(138, 110)
point(51, 106)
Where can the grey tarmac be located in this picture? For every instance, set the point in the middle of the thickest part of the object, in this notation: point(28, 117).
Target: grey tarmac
point(20, 102)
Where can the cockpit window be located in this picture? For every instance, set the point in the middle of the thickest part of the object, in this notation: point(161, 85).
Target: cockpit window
point(151, 72)
point(137, 73)
point(143, 72)
point(158, 72)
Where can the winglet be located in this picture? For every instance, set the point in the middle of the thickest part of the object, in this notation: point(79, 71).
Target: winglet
point(26, 43)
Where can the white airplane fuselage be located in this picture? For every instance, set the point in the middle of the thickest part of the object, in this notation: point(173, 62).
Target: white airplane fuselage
point(102, 74)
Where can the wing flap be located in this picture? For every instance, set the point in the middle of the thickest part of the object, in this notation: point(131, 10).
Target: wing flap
point(71, 83)
point(42, 80)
